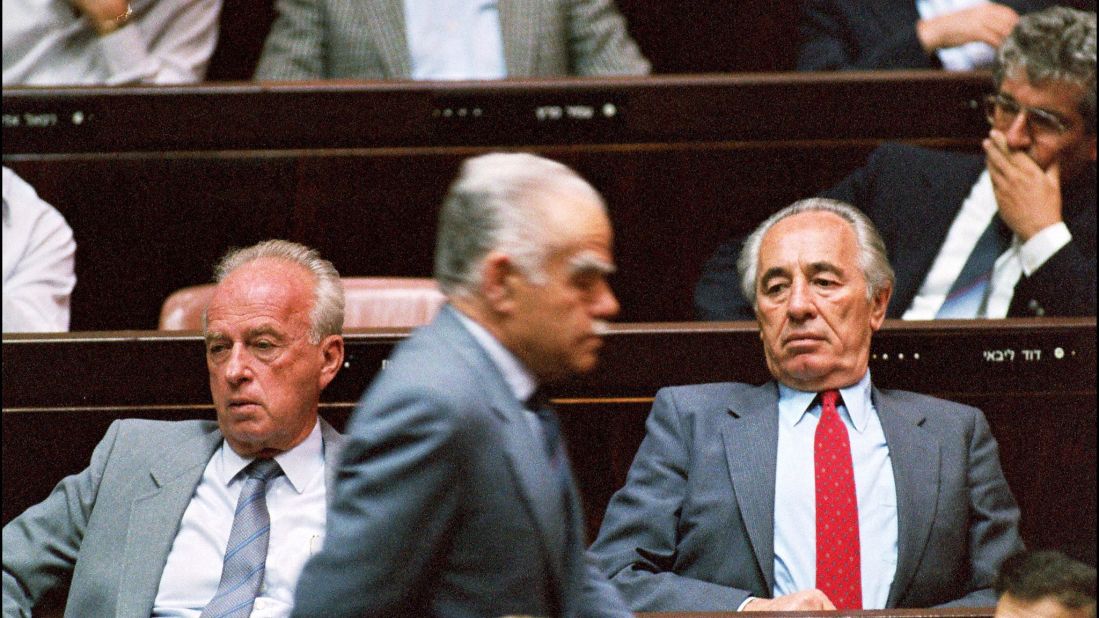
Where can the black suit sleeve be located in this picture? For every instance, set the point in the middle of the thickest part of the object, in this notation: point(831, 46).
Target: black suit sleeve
point(857, 187)
point(830, 41)
point(717, 294)
point(1063, 286)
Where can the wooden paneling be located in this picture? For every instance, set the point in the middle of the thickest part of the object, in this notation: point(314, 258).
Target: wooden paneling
point(158, 182)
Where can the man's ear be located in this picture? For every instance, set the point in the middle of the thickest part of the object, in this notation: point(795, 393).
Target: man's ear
point(879, 304)
point(332, 353)
point(498, 280)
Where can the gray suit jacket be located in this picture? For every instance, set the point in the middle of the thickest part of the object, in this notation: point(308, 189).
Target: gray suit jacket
point(693, 528)
point(365, 39)
point(112, 525)
point(446, 504)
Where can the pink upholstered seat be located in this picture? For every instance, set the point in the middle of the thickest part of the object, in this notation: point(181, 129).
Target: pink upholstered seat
point(370, 301)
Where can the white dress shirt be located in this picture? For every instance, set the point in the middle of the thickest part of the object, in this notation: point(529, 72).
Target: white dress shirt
point(1020, 258)
point(38, 261)
point(296, 503)
point(49, 43)
point(454, 39)
point(967, 57)
point(795, 493)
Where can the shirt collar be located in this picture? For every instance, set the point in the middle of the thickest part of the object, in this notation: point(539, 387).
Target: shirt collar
point(300, 464)
point(793, 404)
point(519, 379)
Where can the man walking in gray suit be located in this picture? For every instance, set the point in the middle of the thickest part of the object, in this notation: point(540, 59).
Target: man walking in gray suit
point(197, 516)
point(455, 496)
point(816, 490)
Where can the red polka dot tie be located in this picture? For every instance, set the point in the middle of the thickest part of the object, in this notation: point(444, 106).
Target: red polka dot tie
point(839, 574)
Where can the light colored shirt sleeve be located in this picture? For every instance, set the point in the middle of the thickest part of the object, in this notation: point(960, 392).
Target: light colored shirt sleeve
point(1043, 246)
point(38, 261)
point(165, 42)
point(171, 43)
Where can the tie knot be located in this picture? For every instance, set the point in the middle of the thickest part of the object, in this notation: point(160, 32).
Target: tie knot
point(263, 469)
point(829, 399)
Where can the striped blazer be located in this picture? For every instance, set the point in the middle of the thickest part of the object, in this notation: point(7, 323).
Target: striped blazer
point(365, 39)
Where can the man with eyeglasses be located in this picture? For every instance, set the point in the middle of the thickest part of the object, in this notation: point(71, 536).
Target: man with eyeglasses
point(1009, 233)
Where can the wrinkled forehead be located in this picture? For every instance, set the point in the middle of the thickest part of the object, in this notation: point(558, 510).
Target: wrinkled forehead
point(815, 236)
point(263, 290)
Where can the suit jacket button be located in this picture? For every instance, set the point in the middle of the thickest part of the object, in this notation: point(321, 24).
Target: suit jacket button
point(1036, 308)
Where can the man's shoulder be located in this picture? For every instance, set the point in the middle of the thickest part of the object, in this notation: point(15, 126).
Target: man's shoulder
point(922, 408)
point(430, 357)
point(896, 155)
point(136, 445)
point(713, 395)
point(437, 371)
point(153, 433)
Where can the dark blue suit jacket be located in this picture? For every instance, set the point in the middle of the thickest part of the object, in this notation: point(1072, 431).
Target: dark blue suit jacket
point(912, 195)
point(870, 34)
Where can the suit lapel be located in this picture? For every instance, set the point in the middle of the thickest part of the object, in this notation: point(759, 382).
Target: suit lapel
point(386, 24)
point(154, 522)
point(333, 447)
point(518, 23)
point(533, 474)
point(750, 434)
point(524, 451)
point(938, 196)
point(915, 457)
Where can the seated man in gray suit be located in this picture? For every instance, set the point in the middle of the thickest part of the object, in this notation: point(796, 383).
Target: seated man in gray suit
point(816, 490)
point(178, 518)
point(455, 496)
point(447, 39)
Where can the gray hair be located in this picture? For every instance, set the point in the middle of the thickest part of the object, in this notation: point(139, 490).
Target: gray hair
point(873, 260)
point(489, 207)
point(1058, 44)
point(326, 316)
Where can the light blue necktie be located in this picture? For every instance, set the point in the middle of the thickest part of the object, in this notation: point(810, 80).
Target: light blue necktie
point(246, 553)
point(969, 293)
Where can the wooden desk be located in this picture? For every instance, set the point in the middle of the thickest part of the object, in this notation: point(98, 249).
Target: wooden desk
point(1035, 380)
point(157, 183)
point(830, 107)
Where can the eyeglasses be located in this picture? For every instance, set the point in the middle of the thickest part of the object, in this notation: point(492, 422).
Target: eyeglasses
point(1002, 111)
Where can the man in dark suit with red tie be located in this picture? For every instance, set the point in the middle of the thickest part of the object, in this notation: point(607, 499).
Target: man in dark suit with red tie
point(816, 490)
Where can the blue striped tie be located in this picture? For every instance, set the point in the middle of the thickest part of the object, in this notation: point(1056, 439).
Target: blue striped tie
point(246, 553)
